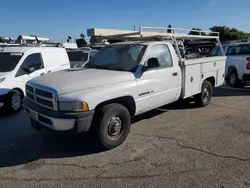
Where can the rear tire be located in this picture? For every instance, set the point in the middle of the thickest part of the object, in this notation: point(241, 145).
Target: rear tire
point(112, 126)
point(203, 99)
point(14, 101)
point(233, 79)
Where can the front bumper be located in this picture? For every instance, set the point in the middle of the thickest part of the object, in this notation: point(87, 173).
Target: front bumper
point(2, 99)
point(76, 122)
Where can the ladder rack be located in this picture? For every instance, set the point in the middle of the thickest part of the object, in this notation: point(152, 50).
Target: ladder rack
point(47, 44)
point(155, 33)
point(151, 33)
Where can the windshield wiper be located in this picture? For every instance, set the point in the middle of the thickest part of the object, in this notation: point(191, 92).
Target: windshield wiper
point(105, 67)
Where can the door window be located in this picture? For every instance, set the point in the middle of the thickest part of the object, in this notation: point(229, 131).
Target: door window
point(162, 53)
point(214, 52)
point(33, 60)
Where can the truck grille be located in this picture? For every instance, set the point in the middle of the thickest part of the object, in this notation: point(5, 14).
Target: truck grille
point(44, 97)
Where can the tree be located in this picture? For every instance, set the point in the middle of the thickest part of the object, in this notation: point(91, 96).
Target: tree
point(169, 30)
point(196, 32)
point(81, 42)
point(82, 35)
point(227, 33)
point(69, 39)
point(94, 40)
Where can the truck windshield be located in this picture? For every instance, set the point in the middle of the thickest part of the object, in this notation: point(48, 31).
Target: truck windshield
point(8, 61)
point(118, 57)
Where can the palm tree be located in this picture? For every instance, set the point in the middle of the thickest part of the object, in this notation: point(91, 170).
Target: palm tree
point(82, 35)
point(69, 38)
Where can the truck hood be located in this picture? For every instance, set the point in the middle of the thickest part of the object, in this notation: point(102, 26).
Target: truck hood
point(71, 80)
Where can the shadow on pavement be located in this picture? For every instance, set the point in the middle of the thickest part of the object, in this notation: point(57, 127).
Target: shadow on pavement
point(224, 92)
point(20, 143)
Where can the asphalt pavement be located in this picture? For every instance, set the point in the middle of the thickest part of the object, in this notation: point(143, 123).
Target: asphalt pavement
point(178, 145)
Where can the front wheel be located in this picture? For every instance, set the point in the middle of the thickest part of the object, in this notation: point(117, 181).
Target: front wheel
point(113, 126)
point(204, 98)
point(14, 101)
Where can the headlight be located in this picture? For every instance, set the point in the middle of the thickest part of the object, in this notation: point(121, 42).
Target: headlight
point(2, 79)
point(73, 106)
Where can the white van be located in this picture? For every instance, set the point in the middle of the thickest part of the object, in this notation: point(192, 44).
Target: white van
point(20, 64)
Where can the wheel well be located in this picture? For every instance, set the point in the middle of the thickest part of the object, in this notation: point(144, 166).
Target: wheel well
point(127, 101)
point(211, 80)
point(230, 69)
point(19, 90)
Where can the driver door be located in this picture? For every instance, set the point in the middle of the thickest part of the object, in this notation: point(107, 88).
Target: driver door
point(158, 85)
point(32, 60)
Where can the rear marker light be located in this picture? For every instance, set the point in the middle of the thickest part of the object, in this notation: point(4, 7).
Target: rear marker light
point(248, 62)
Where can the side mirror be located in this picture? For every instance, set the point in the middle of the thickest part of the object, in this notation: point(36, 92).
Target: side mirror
point(151, 63)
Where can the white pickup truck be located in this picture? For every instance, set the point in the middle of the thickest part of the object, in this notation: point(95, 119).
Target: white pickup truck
point(238, 62)
point(121, 81)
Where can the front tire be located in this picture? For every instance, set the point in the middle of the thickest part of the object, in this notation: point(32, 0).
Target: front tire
point(204, 98)
point(14, 101)
point(113, 126)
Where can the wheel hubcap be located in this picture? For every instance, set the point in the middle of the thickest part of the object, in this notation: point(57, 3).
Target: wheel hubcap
point(16, 101)
point(206, 95)
point(115, 127)
point(232, 79)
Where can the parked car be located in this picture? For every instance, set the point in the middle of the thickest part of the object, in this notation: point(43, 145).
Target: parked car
point(20, 64)
point(238, 62)
point(122, 81)
point(80, 57)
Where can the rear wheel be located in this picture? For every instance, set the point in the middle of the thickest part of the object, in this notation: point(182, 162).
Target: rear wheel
point(204, 98)
point(233, 79)
point(113, 125)
point(14, 101)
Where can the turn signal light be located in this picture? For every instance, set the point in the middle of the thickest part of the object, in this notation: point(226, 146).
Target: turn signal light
point(85, 107)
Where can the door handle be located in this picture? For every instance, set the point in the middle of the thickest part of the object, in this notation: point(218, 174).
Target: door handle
point(49, 71)
point(175, 74)
point(42, 74)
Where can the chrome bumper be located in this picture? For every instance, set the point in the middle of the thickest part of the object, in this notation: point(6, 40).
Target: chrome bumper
point(73, 122)
point(57, 124)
